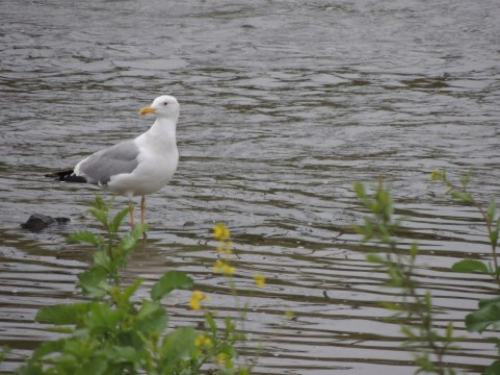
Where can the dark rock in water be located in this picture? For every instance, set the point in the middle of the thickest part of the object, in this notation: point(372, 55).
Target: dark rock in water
point(38, 222)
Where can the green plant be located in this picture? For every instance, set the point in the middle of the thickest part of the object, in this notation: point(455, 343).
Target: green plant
point(489, 216)
point(430, 344)
point(488, 312)
point(114, 332)
point(4, 351)
point(380, 228)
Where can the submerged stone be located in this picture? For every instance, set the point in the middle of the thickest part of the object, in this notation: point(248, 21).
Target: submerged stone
point(38, 222)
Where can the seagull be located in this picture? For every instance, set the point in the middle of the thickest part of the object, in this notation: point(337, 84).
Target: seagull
point(135, 167)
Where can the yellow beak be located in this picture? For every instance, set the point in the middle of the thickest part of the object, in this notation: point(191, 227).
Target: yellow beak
point(146, 110)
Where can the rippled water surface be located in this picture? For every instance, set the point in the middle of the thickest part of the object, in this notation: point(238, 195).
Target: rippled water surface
point(284, 106)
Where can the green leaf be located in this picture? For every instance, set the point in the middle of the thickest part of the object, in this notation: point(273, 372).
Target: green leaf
point(170, 281)
point(464, 180)
point(80, 349)
point(63, 314)
point(396, 278)
point(367, 230)
point(413, 250)
point(375, 258)
point(100, 204)
point(100, 215)
point(425, 363)
point(427, 299)
point(177, 345)
point(384, 232)
point(130, 290)
point(138, 230)
point(120, 354)
point(84, 236)
point(95, 366)
point(128, 242)
point(229, 325)
point(360, 190)
point(61, 329)
point(391, 305)
point(117, 220)
point(94, 282)
point(102, 318)
point(491, 211)
point(436, 174)
point(102, 260)
point(493, 369)
point(466, 197)
point(469, 266)
point(494, 237)
point(211, 322)
point(48, 347)
point(489, 301)
point(4, 350)
point(449, 331)
point(407, 331)
point(479, 320)
point(151, 317)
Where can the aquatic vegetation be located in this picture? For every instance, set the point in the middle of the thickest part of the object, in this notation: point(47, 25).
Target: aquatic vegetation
point(429, 341)
point(112, 331)
point(488, 313)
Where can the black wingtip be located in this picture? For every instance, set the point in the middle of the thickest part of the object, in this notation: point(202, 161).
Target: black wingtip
point(67, 176)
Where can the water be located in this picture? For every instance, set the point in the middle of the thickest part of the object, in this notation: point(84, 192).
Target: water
point(284, 106)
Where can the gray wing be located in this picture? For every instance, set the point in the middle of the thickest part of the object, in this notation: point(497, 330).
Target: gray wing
point(98, 168)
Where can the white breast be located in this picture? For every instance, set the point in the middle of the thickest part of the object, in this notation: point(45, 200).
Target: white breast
point(158, 161)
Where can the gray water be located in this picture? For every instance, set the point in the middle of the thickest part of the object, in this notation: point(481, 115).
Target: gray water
point(284, 105)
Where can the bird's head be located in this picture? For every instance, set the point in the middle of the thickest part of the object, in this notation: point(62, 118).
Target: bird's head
point(165, 106)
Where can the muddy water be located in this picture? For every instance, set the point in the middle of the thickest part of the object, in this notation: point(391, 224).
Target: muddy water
point(284, 106)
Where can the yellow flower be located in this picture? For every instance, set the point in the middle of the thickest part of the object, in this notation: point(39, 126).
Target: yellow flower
point(218, 265)
point(196, 298)
point(436, 174)
point(223, 267)
point(222, 358)
point(225, 249)
point(228, 270)
point(221, 232)
point(203, 340)
point(260, 280)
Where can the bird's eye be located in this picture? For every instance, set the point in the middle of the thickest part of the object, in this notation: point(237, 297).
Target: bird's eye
point(166, 103)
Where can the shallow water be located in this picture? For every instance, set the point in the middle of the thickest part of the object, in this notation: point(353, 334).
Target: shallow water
point(284, 106)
